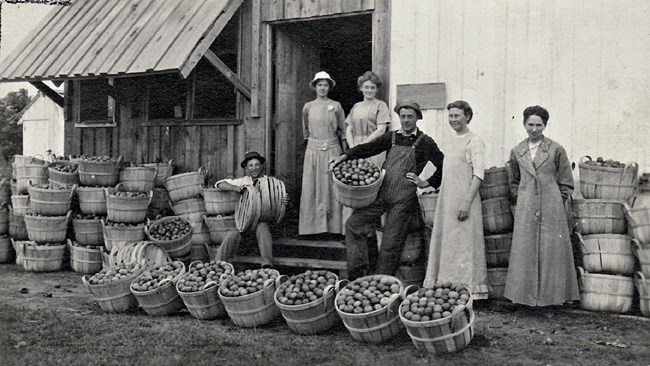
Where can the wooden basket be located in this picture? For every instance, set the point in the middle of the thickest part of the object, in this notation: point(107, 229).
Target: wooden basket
point(249, 210)
point(411, 274)
point(64, 179)
point(643, 288)
point(30, 175)
point(206, 304)
point(446, 335)
point(642, 252)
point(129, 210)
point(272, 192)
point(497, 216)
point(117, 236)
point(114, 297)
point(17, 228)
point(5, 191)
point(218, 202)
point(6, 250)
point(253, 310)
point(4, 219)
point(99, 173)
point(20, 204)
point(314, 317)
point(47, 229)
point(50, 202)
point(428, 201)
point(92, 201)
point(497, 250)
point(145, 253)
point(358, 196)
point(42, 258)
point(138, 179)
point(607, 253)
point(88, 232)
point(186, 185)
point(596, 216)
point(176, 248)
point(639, 220)
point(495, 184)
point(496, 278)
point(163, 170)
point(377, 326)
point(413, 247)
point(219, 227)
point(85, 260)
point(191, 209)
point(163, 300)
point(603, 292)
point(599, 182)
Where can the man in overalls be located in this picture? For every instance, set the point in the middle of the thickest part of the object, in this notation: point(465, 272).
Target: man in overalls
point(408, 151)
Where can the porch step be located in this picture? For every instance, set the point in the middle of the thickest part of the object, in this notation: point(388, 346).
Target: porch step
point(293, 242)
point(296, 262)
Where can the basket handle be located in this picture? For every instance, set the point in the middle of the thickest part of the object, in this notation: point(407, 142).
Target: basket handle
point(193, 264)
point(202, 170)
point(327, 290)
point(639, 276)
point(408, 290)
point(67, 216)
point(208, 285)
point(84, 279)
point(340, 284)
point(583, 245)
point(72, 190)
point(118, 187)
point(391, 301)
point(582, 159)
point(628, 214)
point(636, 247)
point(582, 271)
point(120, 160)
point(170, 162)
point(165, 280)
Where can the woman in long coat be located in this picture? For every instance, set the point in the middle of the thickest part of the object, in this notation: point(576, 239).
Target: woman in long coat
point(323, 122)
point(541, 270)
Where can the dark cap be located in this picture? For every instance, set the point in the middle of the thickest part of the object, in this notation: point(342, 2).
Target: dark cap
point(252, 155)
point(409, 104)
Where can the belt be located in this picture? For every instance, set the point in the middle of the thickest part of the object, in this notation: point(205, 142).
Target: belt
point(323, 145)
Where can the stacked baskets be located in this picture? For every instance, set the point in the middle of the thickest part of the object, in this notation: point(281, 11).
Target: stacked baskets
point(172, 233)
point(605, 282)
point(126, 212)
point(497, 226)
point(639, 223)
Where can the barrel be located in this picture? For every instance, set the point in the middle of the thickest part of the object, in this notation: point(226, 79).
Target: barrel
point(129, 210)
point(607, 253)
point(43, 258)
point(219, 227)
point(47, 229)
point(604, 292)
point(85, 260)
point(6, 249)
point(50, 202)
point(357, 196)
point(495, 183)
point(428, 201)
point(252, 310)
point(497, 217)
point(92, 200)
point(88, 232)
point(595, 216)
point(218, 202)
point(138, 179)
point(497, 250)
point(609, 183)
point(496, 278)
point(99, 172)
point(191, 209)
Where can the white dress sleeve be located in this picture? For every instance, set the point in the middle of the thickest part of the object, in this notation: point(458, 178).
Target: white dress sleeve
point(475, 155)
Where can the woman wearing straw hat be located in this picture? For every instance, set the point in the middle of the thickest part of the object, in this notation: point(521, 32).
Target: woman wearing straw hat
point(323, 123)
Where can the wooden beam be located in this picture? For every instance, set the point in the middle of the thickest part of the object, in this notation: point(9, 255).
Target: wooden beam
point(48, 92)
point(381, 45)
point(231, 76)
point(255, 59)
point(195, 122)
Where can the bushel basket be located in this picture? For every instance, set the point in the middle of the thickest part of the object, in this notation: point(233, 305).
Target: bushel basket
point(253, 310)
point(17, 228)
point(116, 296)
point(6, 249)
point(602, 292)
point(177, 248)
point(639, 220)
point(128, 210)
point(118, 236)
point(47, 229)
point(20, 204)
point(358, 196)
point(99, 172)
point(85, 260)
point(191, 209)
point(428, 201)
point(42, 258)
point(50, 202)
point(206, 304)
point(595, 216)
point(642, 252)
point(497, 216)
point(497, 250)
point(495, 184)
point(610, 183)
point(186, 185)
point(88, 232)
point(92, 201)
point(163, 170)
point(138, 179)
point(643, 287)
point(219, 227)
point(607, 253)
point(160, 301)
point(64, 179)
point(218, 202)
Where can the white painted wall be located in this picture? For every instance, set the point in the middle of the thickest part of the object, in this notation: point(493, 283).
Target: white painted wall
point(43, 128)
point(587, 62)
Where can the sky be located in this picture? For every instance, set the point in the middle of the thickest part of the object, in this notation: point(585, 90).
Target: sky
point(17, 22)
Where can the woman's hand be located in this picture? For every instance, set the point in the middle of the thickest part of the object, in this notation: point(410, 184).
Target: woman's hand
point(463, 212)
point(413, 178)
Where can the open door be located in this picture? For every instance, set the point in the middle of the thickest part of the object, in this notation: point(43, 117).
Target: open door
point(295, 66)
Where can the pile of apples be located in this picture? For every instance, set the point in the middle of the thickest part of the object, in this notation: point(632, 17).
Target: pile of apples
point(121, 224)
point(130, 194)
point(247, 282)
point(68, 168)
point(96, 158)
point(114, 274)
point(75, 244)
point(80, 216)
point(151, 279)
point(434, 303)
point(200, 274)
point(49, 186)
point(367, 294)
point(33, 243)
point(170, 230)
point(305, 287)
point(606, 163)
point(356, 172)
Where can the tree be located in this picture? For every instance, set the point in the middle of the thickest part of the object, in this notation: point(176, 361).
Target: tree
point(11, 133)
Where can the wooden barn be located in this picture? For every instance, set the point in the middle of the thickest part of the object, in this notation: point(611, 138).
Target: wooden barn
point(202, 82)
point(43, 126)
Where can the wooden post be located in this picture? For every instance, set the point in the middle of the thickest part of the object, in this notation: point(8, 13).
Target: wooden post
point(381, 45)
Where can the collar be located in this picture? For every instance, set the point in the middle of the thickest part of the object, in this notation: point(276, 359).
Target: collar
point(415, 133)
point(522, 147)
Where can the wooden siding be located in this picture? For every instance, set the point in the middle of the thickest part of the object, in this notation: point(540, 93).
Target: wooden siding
point(585, 61)
point(92, 38)
point(273, 10)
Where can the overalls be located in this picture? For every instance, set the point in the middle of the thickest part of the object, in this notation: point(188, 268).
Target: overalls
point(397, 198)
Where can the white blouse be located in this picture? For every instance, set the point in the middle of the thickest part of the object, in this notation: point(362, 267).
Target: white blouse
point(475, 155)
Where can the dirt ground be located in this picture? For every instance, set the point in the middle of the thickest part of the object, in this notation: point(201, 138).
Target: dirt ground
point(52, 319)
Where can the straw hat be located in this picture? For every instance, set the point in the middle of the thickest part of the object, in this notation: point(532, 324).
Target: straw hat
point(321, 75)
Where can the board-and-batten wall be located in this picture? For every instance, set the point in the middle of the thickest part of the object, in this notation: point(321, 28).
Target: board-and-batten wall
point(585, 61)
